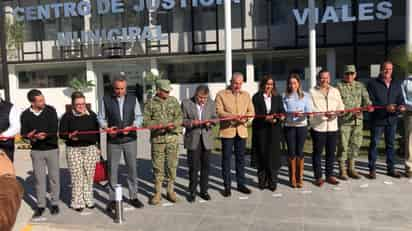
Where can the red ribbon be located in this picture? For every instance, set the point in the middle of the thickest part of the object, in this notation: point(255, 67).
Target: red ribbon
point(228, 118)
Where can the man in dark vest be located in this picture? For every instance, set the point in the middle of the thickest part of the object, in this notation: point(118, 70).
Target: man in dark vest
point(9, 127)
point(121, 111)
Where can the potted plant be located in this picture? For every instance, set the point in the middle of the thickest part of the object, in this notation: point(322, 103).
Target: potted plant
point(82, 85)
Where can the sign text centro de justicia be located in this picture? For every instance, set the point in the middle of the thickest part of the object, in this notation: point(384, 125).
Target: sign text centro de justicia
point(101, 7)
point(331, 14)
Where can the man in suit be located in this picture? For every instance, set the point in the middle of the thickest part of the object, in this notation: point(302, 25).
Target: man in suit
point(198, 139)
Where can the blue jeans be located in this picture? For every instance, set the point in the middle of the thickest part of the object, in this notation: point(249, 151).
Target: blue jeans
point(237, 146)
point(376, 133)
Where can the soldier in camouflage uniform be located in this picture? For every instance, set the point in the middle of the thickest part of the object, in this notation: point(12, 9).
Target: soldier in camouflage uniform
point(354, 95)
point(165, 110)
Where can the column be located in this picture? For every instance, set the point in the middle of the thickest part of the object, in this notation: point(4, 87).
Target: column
point(250, 68)
point(13, 84)
point(153, 66)
point(312, 43)
point(250, 85)
point(228, 40)
point(92, 95)
point(331, 62)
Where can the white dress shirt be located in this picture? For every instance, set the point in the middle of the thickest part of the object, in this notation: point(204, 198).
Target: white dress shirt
point(137, 111)
point(200, 109)
point(14, 120)
point(268, 102)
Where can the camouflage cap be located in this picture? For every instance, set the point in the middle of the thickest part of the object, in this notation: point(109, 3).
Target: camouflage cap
point(164, 84)
point(349, 69)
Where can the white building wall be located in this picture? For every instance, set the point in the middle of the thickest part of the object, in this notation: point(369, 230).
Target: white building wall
point(58, 97)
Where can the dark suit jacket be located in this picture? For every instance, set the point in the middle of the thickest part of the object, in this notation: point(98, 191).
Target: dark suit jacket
point(380, 95)
point(193, 134)
point(267, 137)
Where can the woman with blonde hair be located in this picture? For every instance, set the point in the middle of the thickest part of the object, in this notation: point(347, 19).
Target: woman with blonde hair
point(296, 102)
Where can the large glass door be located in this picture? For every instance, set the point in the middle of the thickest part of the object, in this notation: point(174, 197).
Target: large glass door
point(134, 71)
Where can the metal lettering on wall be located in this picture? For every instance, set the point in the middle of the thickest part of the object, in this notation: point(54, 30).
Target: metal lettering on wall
point(365, 12)
point(102, 7)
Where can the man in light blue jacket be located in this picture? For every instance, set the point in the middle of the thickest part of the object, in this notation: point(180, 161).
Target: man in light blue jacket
point(407, 95)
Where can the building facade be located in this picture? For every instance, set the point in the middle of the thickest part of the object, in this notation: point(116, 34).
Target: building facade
point(50, 42)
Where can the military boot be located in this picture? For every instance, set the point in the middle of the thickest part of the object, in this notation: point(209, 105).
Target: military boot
point(343, 174)
point(157, 197)
point(352, 170)
point(171, 195)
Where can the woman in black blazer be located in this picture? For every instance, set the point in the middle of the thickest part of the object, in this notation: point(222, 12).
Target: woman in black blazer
point(267, 133)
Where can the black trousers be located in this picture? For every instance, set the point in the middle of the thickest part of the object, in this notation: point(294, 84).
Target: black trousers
point(198, 160)
point(8, 147)
point(322, 140)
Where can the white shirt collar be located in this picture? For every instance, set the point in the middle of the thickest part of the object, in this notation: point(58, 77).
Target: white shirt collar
point(36, 113)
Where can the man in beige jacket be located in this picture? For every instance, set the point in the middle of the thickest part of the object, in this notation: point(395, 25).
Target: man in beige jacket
point(325, 98)
point(234, 102)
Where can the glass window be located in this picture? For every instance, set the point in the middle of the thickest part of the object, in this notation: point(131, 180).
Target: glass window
point(344, 56)
point(367, 56)
point(280, 65)
point(49, 78)
point(199, 70)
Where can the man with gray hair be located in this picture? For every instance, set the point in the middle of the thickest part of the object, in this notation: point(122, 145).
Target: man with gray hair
point(234, 102)
point(121, 111)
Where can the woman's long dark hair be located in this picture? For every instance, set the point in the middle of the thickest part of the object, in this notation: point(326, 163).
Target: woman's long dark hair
point(263, 82)
point(296, 76)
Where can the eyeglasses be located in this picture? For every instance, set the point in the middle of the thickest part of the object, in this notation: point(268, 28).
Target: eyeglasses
point(79, 104)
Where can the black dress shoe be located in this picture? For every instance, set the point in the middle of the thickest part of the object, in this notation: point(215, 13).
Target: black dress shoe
point(191, 197)
point(205, 196)
point(372, 174)
point(261, 185)
point(244, 189)
point(111, 206)
point(136, 203)
point(273, 187)
point(54, 210)
point(79, 210)
point(394, 174)
point(38, 213)
point(227, 192)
